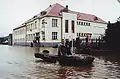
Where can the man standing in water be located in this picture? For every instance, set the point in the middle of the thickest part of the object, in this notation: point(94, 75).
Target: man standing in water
point(61, 49)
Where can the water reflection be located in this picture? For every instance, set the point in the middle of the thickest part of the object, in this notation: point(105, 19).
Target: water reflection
point(19, 63)
point(36, 49)
point(74, 72)
point(105, 68)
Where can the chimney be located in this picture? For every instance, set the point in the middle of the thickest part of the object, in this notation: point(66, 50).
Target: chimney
point(95, 18)
point(108, 22)
point(66, 8)
point(50, 5)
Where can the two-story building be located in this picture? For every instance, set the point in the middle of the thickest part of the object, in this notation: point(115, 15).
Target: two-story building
point(58, 22)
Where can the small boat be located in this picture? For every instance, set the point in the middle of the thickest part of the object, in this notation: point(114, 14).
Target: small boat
point(77, 59)
point(46, 56)
point(56, 46)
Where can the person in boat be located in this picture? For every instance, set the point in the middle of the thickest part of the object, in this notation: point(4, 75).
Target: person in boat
point(77, 43)
point(61, 49)
point(87, 46)
point(68, 47)
point(31, 44)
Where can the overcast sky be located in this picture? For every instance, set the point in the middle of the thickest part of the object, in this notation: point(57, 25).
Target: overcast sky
point(14, 12)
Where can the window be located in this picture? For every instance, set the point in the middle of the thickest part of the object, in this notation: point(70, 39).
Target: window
point(73, 26)
point(43, 35)
point(77, 23)
point(54, 35)
point(89, 24)
point(84, 23)
point(35, 24)
point(34, 36)
point(31, 37)
point(77, 34)
point(54, 22)
point(66, 26)
point(31, 27)
point(81, 23)
point(26, 37)
point(43, 21)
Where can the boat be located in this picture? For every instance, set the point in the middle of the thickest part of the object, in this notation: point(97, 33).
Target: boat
point(76, 59)
point(46, 56)
point(56, 46)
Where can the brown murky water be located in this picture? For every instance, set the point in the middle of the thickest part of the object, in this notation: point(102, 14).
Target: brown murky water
point(19, 63)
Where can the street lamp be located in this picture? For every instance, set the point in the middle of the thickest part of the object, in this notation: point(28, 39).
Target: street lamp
point(43, 31)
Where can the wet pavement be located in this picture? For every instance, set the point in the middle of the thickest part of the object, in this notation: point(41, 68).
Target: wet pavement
point(17, 62)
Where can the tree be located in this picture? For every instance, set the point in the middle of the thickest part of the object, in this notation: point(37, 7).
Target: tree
point(112, 35)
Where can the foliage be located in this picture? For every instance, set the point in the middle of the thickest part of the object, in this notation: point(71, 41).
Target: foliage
point(112, 35)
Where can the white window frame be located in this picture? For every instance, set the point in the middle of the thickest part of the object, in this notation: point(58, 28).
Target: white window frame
point(54, 22)
point(54, 35)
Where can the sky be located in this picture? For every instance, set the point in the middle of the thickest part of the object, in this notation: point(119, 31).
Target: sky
point(15, 12)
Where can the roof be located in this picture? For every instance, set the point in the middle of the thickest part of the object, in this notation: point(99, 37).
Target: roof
point(55, 9)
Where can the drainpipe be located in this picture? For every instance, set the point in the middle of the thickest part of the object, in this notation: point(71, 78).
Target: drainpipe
point(39, 30)
point(25, 35)
point(61, 29)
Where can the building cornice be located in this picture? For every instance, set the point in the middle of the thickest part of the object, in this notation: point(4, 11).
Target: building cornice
point(92, 21)
point(19, 27)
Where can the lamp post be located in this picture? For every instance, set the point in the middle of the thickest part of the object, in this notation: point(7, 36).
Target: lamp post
point(71, 37)
point(25, 34)
point(43, 25)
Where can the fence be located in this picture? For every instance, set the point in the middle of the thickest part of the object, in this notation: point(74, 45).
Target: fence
point(92, 43)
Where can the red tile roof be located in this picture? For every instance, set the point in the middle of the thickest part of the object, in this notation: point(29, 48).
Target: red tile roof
point(55, 9)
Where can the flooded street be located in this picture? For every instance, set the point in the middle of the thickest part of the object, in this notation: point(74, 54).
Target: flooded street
point(18, 62)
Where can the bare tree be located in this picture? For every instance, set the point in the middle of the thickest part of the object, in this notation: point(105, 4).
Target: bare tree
point(118, 1)
point(118, 19)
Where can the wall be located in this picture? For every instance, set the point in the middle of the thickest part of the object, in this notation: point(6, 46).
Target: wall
point(69, 17)
point(19, 35)
point(49, 29)
point(32, 30)
point(96, 29)
point(10, 39)
point(27, 34)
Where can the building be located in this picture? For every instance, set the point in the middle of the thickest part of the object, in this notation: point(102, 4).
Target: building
point(4, 40)
point(58, 22)
point(10, 39)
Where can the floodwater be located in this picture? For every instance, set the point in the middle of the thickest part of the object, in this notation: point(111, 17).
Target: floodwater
point(17, 62)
